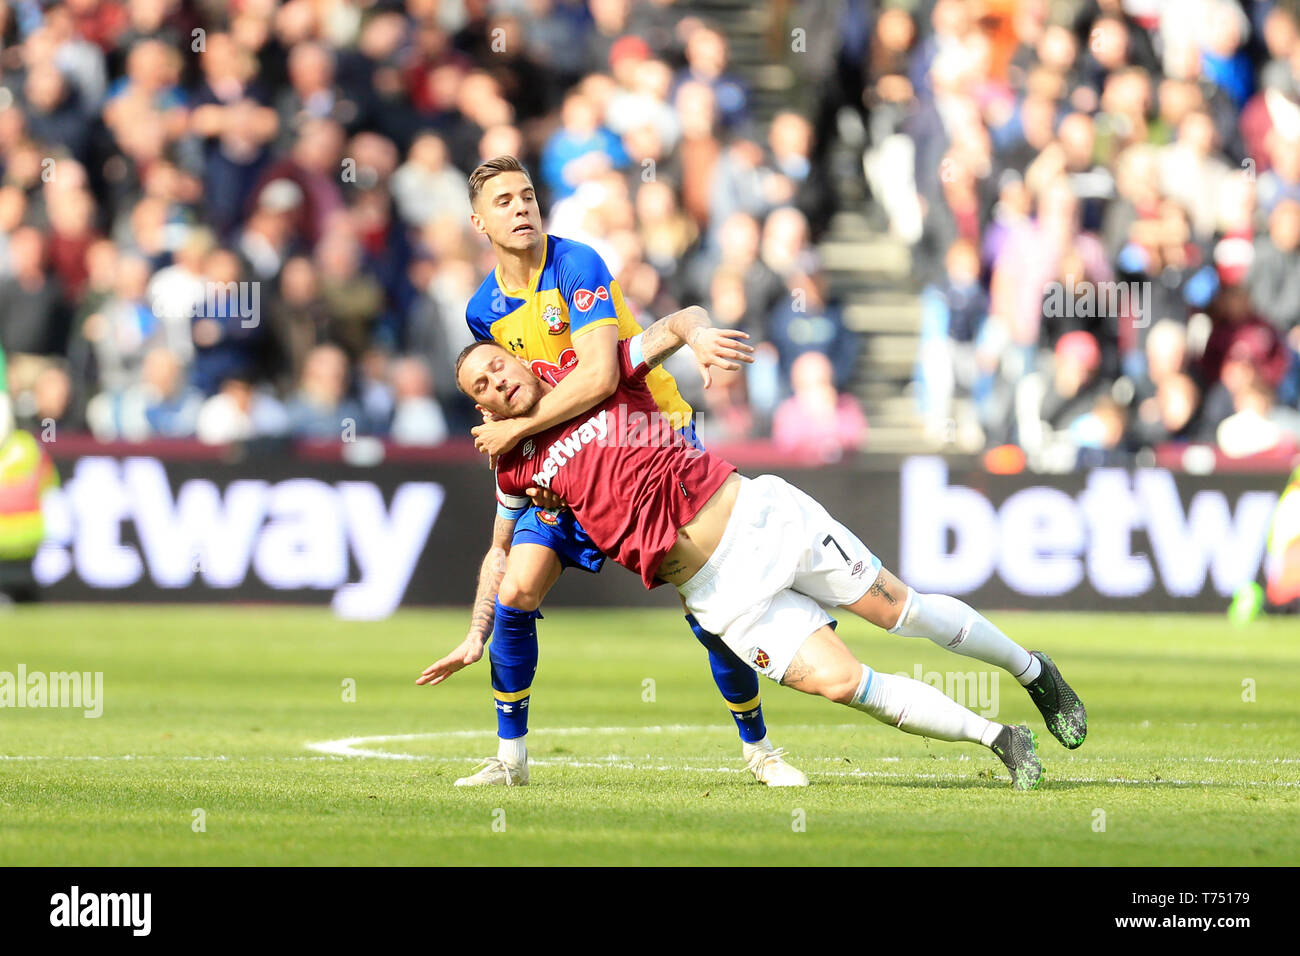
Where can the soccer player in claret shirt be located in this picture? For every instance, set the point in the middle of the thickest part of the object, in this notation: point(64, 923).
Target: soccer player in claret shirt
point(553, 303)
point(754, 559)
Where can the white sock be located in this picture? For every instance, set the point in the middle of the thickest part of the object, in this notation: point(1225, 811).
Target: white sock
point(956, 626)
point(763, 744)
point(512, 751)
point(917, 708)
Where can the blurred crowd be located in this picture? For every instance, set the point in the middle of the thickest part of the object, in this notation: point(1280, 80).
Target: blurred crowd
point(234, 220)
point(1145, 153)
point(248, 219)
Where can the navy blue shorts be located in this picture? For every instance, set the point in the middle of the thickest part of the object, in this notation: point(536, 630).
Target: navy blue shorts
point(561, 532)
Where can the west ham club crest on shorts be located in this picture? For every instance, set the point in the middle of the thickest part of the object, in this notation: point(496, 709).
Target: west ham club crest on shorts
point(761, 660)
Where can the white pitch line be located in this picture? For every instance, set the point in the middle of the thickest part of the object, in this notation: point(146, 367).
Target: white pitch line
point(266, 758)
point(623, 764)
point(611, 760)
point(669, 768)
point(351, 747)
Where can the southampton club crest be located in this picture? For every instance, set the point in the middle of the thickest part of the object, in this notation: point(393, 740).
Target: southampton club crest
point(554, 319)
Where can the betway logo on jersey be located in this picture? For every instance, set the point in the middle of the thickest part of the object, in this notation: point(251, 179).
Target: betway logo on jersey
point(566, 449)
point(298, 534)
point(632, 428)
point(1043, 542)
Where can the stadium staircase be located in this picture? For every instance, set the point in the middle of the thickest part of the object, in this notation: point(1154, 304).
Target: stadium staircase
point(868, 271)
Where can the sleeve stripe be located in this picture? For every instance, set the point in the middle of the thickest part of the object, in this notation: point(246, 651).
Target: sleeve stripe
point(634, 353)
point(593, 324)
point(511, 501)
point(510, 506)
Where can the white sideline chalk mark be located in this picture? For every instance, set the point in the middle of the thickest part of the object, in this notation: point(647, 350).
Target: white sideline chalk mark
point(265, 758)
point(620, 763)
point(274, 758)
point(351, 746)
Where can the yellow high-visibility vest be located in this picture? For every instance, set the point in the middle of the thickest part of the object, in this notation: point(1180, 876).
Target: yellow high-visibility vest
point(26, 473)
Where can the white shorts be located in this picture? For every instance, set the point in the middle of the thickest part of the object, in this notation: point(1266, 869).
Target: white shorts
point(781, 557)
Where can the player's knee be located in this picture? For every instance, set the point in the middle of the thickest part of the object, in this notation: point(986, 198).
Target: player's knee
point(885, 602)
point(841, 684)
point(892, 616)
point(523, 595)
point(835, 682)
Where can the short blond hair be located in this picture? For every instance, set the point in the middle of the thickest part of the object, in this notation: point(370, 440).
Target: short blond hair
point(491, 169)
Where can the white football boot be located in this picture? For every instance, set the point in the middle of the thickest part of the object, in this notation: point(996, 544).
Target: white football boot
point(495, 772)
point(767, 766)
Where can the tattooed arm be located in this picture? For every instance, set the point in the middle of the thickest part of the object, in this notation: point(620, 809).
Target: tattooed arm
point(722, 348)
point(483, 616)
point(490, 574)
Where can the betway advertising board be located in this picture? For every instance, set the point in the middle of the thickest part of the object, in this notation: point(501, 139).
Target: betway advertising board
point(1101, 539)
point(363, 540)
point(368, 540)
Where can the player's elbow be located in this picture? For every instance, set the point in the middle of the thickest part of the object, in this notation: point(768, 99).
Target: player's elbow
point(604, 382)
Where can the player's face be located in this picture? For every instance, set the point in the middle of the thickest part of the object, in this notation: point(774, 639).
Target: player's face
point(499, 382)
point(506, 212)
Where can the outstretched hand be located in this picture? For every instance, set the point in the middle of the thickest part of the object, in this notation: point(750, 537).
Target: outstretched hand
point(720, 348)
point(469, 651)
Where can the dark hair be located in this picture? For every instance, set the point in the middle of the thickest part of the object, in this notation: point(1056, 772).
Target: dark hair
point(490, 169)
point(464, 354)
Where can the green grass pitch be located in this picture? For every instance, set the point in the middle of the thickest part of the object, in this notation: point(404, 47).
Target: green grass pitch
point(1193, 753)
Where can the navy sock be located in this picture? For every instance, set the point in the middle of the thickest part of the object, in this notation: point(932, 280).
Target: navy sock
point(513, 655)
point(737, 682)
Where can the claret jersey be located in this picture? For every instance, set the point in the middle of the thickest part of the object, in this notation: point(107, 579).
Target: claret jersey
point(572, 293)
point(629, 477)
